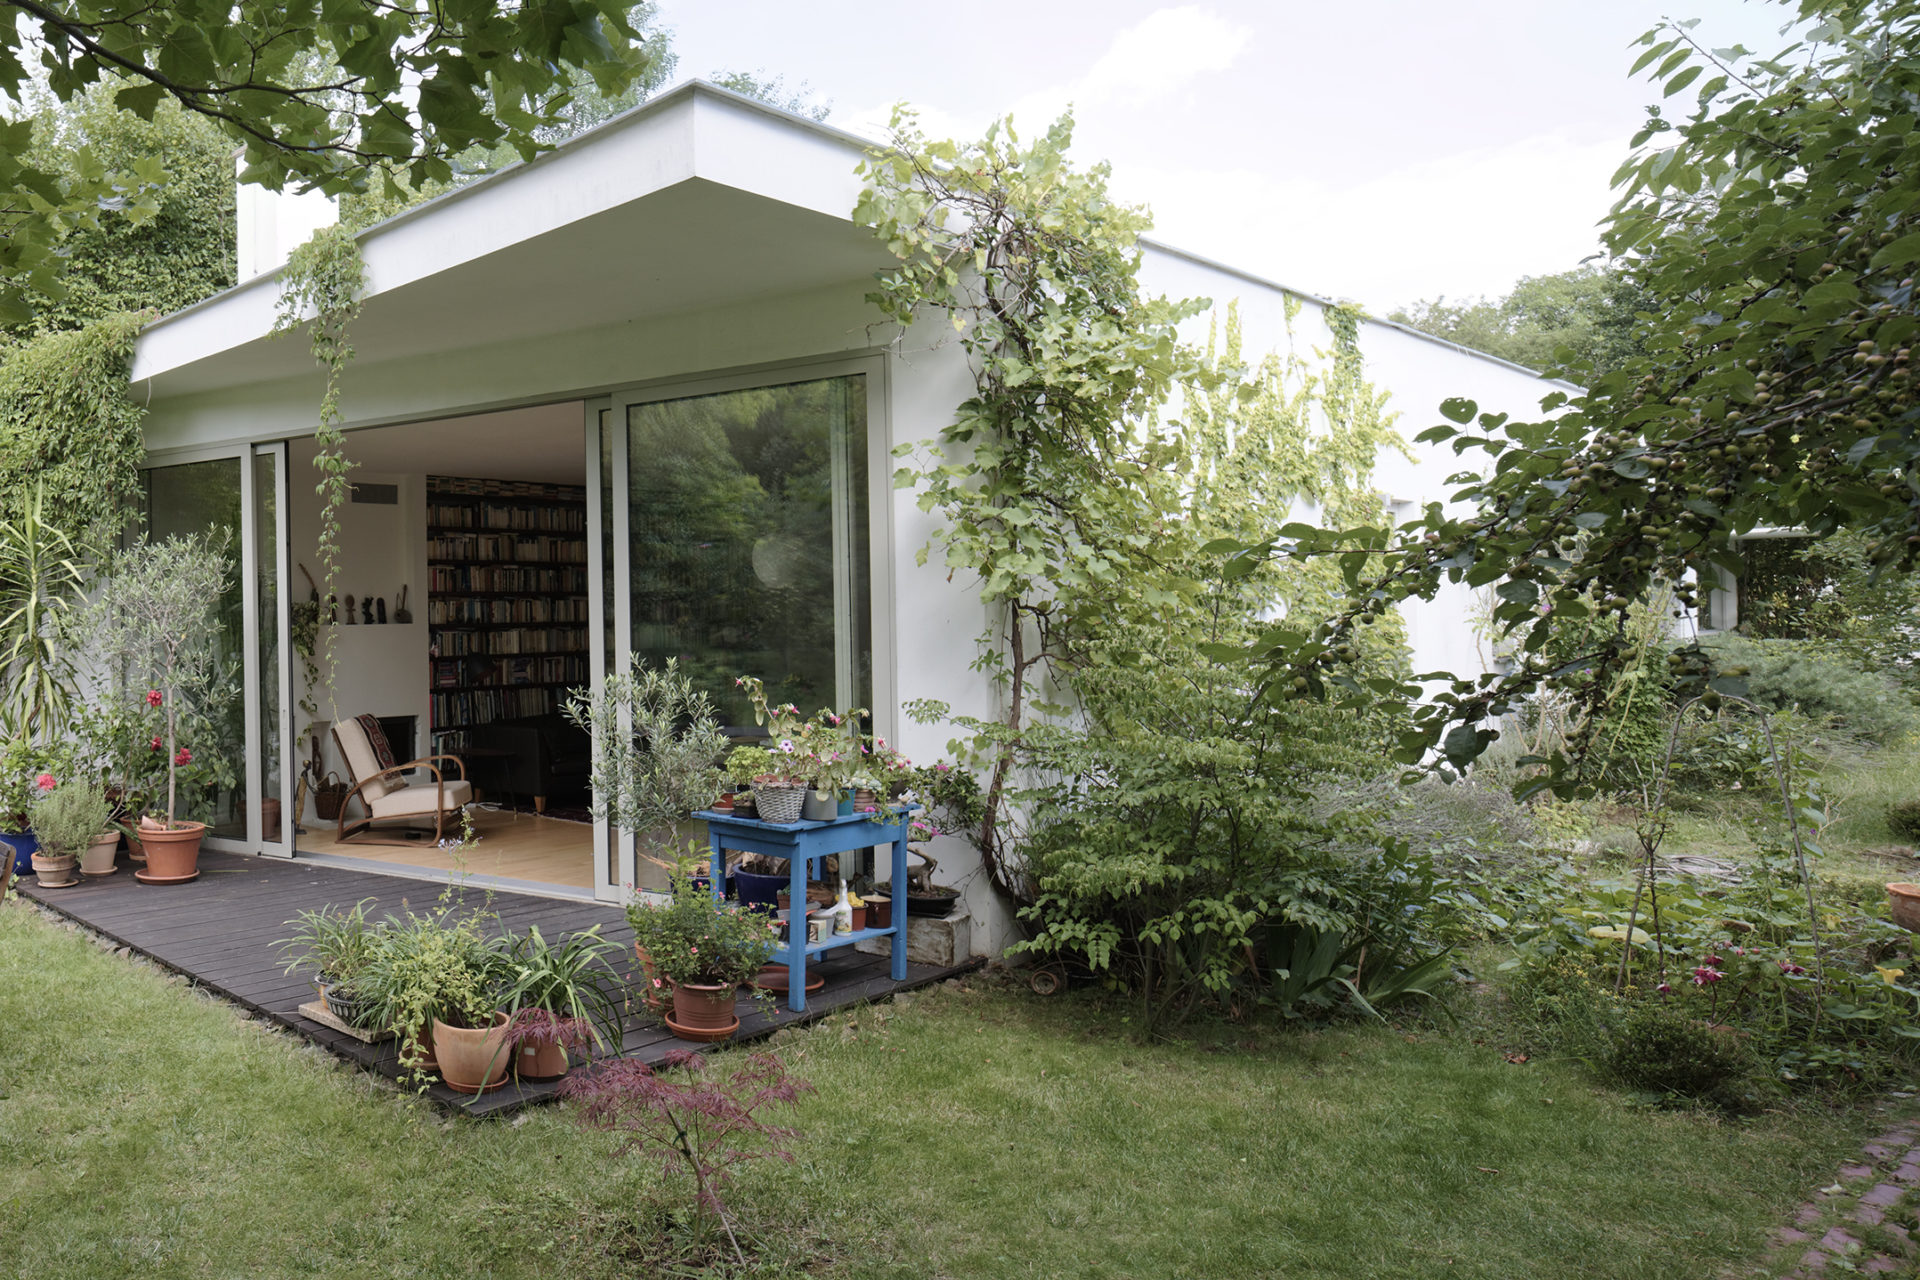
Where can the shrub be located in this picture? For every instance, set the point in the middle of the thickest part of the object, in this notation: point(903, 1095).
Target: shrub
point(69, 818)
point(1817, 681)
point(1662, 1050)
point(1903, 819)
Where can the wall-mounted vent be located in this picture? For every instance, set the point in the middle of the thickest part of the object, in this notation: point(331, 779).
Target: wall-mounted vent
point(380, 495)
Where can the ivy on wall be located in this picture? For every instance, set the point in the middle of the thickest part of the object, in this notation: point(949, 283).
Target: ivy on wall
point(1066, 485)
point(69, 424)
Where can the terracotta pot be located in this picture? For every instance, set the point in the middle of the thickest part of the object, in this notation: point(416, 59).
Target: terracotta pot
point(270, 820)
point(702, 1008)
point(784, 901)
point(724, 804)
point(540, 1060)
point(98, 859)
point(173, 855)
point(472, 1060)
point(859, 919)
point(136, 852)
point(1904, 902)
point(55, 873)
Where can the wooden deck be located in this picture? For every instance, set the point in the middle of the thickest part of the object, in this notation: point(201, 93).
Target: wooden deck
point(219, 931)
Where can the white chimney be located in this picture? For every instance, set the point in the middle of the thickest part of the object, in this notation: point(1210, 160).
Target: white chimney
point(270, 225)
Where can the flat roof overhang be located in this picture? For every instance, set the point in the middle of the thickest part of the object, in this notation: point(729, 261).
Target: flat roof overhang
point(698, 199)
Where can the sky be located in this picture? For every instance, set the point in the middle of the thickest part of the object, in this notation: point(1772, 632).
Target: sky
point(1383, 151)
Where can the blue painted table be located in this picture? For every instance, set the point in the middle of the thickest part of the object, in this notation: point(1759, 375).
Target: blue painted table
point(803, 844)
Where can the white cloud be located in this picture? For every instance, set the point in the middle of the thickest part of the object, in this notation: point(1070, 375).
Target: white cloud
point(1464, 224)
point(1158, 54)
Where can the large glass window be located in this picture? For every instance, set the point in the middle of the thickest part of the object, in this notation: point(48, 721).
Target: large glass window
point(204, 498)
point(748, 542)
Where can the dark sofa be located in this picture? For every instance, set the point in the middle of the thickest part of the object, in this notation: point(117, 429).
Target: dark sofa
point(547, 757)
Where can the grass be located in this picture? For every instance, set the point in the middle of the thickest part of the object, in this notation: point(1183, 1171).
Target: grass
point(972, 1132)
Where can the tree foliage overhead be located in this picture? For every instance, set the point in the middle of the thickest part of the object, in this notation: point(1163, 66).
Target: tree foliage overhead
point(1583, 319)
point(182, 253)
point(1775, 224)
point(319, 95)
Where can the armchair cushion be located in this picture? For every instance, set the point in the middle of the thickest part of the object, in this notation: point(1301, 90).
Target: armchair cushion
point(422, 799)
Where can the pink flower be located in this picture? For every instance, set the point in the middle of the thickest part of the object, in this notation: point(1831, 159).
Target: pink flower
point(45, 782)
point(833, 719)
point(1665, 988)
point(155, 744)
point(943, 767)
point(656, 982)
point(153, 697)
point(1712, 958)
point(183, 756)
point(694, 950)
point(1703, 975)
point(1787, 966)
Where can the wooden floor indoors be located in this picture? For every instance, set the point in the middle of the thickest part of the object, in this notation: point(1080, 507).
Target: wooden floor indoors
point(219, 931)
point(514, 846)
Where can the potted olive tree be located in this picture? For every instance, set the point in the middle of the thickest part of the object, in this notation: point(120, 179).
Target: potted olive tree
point(156, 622)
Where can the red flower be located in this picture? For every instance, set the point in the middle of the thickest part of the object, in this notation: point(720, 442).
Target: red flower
point(153, 697)
point(183, 756)
point(45, 782)
point(155, 744)
point(1703, 975)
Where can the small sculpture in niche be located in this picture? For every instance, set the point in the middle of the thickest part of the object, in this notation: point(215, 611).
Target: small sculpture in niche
point(366, 611)
point(379, 608)
point(349, 610)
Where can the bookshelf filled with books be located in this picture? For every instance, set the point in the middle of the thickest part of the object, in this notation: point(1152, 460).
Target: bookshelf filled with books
point(506, 600)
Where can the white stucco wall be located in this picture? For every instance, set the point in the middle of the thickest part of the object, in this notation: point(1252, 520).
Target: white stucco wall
point(1417, 372)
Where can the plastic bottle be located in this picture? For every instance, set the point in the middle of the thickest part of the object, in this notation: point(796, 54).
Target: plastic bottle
point(843, 912)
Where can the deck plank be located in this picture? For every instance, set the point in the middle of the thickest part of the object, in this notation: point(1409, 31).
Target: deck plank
point(219, 931)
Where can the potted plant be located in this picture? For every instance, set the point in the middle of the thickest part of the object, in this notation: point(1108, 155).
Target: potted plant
point(337, 943)
point(559, 997)
point(27, 772)
point(68, 819)
point(156, 617)
point(703, 948)
point(744, 764)
point(437, 981)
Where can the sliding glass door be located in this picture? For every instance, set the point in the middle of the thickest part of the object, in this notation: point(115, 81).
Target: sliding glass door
point(237, 498)
point(735, 541)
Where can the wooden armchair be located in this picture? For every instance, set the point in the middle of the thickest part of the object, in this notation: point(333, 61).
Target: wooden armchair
point(384, 794)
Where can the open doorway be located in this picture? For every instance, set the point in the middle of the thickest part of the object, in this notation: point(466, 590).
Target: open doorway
point(458, 627)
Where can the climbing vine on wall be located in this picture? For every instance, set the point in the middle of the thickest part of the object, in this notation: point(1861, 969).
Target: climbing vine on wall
point(321, 289)
point(69, 425)
point(1064, 485)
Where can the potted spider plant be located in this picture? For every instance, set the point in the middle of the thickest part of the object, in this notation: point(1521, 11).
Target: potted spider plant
point(559, 997)
point(336, 943)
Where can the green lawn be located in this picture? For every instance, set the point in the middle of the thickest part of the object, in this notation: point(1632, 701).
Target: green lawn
point(974, 1132)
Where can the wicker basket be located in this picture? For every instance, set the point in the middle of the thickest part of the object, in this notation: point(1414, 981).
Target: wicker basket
point(779, 804)
point(329, 796)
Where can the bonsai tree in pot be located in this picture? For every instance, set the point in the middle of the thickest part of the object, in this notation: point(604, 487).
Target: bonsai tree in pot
point(157, 618)
point(703, 948)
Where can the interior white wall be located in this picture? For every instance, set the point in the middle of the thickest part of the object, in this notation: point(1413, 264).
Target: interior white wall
point(380, 670)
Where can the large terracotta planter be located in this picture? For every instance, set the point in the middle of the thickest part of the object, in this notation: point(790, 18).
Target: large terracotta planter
point(98, 859)
point(173, 854)
point(702, 1012)
point(1903, 900)
point(55, 873)
point(472, 1060)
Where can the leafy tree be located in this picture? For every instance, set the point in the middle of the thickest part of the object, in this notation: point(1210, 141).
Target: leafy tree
point(179, 255)
point(1776, 225)
point(320, 96)
point(1584, 318)
point(773, 91)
